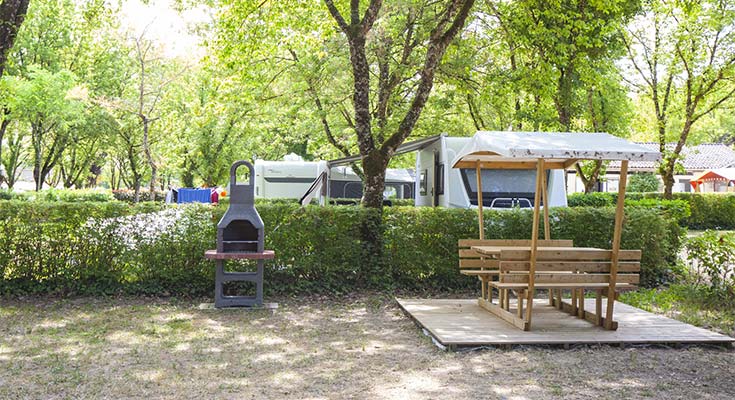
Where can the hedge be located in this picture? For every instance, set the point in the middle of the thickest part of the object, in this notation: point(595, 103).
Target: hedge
point(707, 210)
point(98, 248)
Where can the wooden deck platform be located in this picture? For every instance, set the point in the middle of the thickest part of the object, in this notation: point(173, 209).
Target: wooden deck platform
point(462, 323)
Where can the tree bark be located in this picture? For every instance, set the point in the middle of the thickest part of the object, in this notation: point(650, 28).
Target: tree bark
point(12, 14)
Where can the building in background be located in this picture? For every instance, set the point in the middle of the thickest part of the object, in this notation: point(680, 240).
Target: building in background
point(695, 160)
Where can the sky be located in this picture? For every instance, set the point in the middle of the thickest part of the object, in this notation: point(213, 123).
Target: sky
point(165, 25)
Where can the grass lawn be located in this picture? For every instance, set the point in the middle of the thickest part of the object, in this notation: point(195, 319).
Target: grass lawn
point(365, 348)
point(686, 303)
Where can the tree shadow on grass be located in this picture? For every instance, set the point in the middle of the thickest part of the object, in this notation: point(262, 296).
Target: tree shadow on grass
point(364, 348)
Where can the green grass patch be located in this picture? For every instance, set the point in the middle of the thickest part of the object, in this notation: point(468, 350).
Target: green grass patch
point(687, 303)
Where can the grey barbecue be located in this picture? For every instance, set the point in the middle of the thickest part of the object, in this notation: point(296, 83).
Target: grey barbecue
point(240, 235)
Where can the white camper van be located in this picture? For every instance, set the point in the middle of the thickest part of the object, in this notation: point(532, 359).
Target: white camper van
point(437, 184)
point(291, 179)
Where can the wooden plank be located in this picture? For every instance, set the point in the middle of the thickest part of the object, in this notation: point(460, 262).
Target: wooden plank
point(571, 254)
point(514, 242)
point(578, 266)
point(463, 322)
point(519, 286)
point(475, 272)
point(504, 315)
point(476, 264)
point(617, 233)
point(542, 278)
point(509, 164)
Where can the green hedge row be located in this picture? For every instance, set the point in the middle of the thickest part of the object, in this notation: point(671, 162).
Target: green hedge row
point(706, 210)
point(93, 248)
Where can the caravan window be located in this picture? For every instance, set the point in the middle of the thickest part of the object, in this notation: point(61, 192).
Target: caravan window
point(501, 188)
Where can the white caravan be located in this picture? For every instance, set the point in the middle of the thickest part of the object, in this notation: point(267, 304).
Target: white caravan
point(291, 179)
point(437, 184)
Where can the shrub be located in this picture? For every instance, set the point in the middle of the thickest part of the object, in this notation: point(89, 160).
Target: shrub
point(111, 247)
point(128, 195)
point(594, 199)
point(711, 261)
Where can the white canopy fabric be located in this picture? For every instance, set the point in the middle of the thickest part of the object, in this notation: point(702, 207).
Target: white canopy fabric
point(559, 150)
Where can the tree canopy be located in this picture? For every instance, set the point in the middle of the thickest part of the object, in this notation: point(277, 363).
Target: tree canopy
point(87, 101)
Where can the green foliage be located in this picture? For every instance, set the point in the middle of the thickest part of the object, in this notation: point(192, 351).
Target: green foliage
point(129, 195)
point(711, 261)
point(106, 247)
point(705, 210)
point(643, 182)
point(593, 199)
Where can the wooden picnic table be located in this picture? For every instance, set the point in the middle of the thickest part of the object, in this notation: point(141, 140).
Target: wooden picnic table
point(554, 268)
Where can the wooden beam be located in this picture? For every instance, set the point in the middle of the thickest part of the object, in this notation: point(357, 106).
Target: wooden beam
point(478, 172)
point(534, 240)
point(617, 233)
point(503, 314)
point(545, 195)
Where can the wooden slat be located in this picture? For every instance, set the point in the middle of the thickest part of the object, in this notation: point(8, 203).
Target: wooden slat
point(477, 263)
point(578, 266)
point(517, 286)
point(504, 315)
point(514, 242)
point(570, 255)
point(582, 279)
point(475, 272)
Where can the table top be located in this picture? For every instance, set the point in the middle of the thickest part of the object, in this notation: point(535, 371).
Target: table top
point(495, 250)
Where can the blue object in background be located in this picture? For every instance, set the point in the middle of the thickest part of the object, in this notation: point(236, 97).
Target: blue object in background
point(194, 195)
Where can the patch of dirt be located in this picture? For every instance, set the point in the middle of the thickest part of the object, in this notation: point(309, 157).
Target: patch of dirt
point(315, 348)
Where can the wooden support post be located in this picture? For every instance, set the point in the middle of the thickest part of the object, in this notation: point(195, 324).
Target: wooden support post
point(483, 284)
point(580, 308)
point(478, 172)
point(558, 298)
point(547, 229)
point(574, 301)
point(617, 233)
point(519, 305)
point(534, 240)
point(598, 307)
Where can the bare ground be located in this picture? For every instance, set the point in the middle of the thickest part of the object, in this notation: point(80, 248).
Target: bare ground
point(312, 349)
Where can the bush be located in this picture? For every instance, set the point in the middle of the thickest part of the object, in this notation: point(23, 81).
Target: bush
point(111, 247)
point(706, 210)
point(128, 195)
point(594, 199)
point(711, 261)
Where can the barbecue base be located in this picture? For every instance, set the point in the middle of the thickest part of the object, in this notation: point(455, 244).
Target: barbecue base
point(222, 277)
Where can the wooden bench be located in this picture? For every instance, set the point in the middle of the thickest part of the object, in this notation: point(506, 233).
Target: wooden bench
point(485, 268)
point(573, 270)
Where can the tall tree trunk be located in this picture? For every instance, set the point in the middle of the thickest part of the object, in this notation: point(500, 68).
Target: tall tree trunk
point(12, 14)
point(149, 158)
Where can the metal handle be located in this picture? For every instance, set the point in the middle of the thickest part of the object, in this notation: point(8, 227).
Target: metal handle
point(233, 172)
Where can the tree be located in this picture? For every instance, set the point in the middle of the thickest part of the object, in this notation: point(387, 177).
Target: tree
point(376, 149)
point(48, 103)
point(12, 14)
point(643, 182)
point(685, 62)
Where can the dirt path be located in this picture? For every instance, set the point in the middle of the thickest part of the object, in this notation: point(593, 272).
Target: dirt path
point(365, 349)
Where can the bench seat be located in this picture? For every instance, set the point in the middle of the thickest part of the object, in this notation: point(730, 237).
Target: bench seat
point(570, 285)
